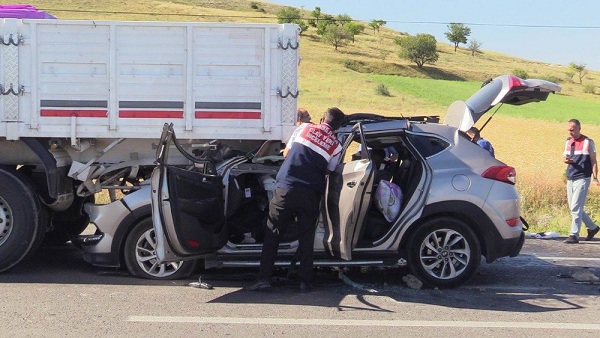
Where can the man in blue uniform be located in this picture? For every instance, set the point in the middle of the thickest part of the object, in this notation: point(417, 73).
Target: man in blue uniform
point(300, 184)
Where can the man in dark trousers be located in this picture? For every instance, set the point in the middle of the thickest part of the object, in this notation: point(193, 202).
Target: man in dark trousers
point(300, 184)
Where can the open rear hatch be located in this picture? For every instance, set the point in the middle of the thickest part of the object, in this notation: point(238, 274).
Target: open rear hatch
point(507, 89)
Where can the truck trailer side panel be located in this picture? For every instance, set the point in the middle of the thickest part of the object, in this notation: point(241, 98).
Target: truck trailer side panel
point(94, 79)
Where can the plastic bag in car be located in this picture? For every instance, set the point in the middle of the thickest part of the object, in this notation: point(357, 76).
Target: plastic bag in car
point(388, 199)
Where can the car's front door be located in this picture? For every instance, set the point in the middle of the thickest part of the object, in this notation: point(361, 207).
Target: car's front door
point(187, 206)
point(347, 198)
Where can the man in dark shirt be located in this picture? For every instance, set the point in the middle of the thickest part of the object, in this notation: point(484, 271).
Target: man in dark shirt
point(300, 184)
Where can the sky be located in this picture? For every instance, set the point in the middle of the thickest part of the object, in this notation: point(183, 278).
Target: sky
point(552, 31)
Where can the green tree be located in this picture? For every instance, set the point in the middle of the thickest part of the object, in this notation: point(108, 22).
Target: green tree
point(520, 73)
point(354, 28)
point(336, 35)
point(376, 25)
point(343, 19)
point(457, 33)
point(325, 21)
point(579, 69)
point(474, 47)
point(291, 15)
point(315, 17)
point(420, 49)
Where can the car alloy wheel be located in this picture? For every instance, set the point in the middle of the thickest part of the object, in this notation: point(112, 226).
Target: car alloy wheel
point(443, 252)
point(140, 255)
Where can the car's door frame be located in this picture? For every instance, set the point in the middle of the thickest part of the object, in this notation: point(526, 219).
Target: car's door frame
point(202, 189)
point(343, 226)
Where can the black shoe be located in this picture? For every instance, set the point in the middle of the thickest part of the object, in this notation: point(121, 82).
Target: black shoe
point(592, 233)
point(305, 287)
point(259, 285)
point(572, 240)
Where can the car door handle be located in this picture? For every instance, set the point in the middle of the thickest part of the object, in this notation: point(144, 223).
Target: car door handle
point(351, 184)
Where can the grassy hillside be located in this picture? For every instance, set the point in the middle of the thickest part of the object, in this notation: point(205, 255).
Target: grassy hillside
point(530, 137)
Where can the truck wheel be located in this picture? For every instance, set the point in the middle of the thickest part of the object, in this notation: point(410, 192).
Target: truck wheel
point(444, 252)
point(69, 223)
point(21, 226)
point(140, 255)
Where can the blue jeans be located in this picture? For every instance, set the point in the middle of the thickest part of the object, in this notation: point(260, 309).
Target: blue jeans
point(576, 194)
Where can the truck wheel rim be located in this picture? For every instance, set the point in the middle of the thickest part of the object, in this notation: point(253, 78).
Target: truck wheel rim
point(145, 255)
point(445, 254)
point(5, 221)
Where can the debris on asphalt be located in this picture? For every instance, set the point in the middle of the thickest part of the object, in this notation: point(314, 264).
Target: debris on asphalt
point(200, 284)
point(349, 282)
point(412, 282)
point(543, 235)
point(585, 276)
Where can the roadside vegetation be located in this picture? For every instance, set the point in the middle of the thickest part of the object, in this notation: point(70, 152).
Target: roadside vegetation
point(362, 68)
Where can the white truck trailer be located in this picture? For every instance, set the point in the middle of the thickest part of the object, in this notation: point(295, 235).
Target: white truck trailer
point(83, 104)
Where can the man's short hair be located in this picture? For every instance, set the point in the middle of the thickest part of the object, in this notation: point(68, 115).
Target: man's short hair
point(303, 115)
point(474, 131)
point(576, 121)
point(334, 117)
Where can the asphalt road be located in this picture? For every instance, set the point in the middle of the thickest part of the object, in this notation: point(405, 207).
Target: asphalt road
point(56, 294)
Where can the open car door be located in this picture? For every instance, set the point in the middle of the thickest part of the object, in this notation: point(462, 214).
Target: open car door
point(507, 89)
point(347, 197)
point(187, 205)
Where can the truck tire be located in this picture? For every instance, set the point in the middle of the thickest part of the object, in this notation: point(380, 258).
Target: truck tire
point(21, 215)
point(140, 255)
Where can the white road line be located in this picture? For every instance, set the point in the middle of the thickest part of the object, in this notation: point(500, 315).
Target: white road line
point(355, 322)
point(568, 258)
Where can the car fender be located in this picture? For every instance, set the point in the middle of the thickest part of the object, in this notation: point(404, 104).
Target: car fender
point(489, 237)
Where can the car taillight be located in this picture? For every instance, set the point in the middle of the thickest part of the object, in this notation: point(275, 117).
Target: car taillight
point(513, 222)
point(514, 82)
point(502, 173)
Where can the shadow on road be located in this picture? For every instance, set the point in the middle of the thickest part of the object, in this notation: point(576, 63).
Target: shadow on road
point(531, 282)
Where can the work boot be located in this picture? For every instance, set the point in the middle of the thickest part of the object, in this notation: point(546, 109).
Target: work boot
point(592, 233)
point(572, 240)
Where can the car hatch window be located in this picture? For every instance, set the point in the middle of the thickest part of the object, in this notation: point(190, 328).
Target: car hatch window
point(427, 145)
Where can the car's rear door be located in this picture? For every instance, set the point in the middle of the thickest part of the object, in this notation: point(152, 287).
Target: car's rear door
point(347, 199)
point(507, 89)
point(187, 206)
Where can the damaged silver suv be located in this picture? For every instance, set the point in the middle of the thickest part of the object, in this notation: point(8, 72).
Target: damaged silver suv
point(456, 204)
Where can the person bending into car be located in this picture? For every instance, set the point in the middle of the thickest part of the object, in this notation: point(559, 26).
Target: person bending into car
point(300, 183)
point(475, 136)
point(301, 122)
point(580, 157)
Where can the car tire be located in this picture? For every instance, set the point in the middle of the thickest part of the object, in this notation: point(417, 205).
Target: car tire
point(22, 217)
point(140, 255)
point(444, 253)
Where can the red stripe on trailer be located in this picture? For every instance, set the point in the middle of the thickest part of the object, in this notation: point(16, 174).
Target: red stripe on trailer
point(244, 115)
point(69, 113)
point(152, 114)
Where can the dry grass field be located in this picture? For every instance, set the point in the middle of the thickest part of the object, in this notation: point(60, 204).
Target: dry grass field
point(532, 146)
